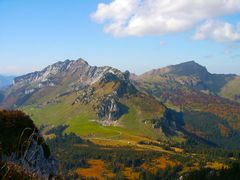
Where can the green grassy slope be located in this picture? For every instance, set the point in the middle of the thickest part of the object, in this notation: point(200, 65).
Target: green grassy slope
point(210, 115)
point(182, 97)
point(232, 90)
point(82, 119)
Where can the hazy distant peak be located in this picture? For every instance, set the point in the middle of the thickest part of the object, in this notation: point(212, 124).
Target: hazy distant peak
point(5, 81)
point(188, 68)
point(188, 64)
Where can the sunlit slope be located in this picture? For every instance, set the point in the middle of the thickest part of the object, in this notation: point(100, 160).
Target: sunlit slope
point(108, 108)
point(104, 104)
point(83, 121)
point(189, 86)
point(232, 90)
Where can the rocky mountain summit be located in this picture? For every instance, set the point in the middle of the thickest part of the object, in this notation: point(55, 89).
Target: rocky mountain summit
point(70, 76)
point(105, 92)
point(78, 72)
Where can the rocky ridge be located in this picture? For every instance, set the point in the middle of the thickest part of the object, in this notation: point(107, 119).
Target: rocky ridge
point(107, 104)
point(77, 77)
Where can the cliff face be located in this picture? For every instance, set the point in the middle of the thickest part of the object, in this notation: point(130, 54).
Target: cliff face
point(105, 94)
point(23, 146)
point(34, 161)
point(109, 108)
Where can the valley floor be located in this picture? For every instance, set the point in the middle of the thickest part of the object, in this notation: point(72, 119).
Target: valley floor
point(112, 157)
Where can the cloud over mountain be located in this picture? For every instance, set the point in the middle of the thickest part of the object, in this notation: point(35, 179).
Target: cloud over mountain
point(158, 17)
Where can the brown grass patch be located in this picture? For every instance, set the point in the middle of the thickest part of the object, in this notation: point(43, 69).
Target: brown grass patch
point(177, 150)
point(130, 174)
point(224, 131)
point(96, 170)
point(216, 165)
point(159, 163)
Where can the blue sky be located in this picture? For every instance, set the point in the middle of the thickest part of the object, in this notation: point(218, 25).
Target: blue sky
point(36, 33)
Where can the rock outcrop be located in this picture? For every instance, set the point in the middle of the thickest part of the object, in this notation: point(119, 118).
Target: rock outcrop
point(109, 108)
point(35, 161)
point(21, 144)
point(107, 104)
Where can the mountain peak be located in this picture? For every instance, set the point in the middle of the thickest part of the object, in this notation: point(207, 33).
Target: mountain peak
point(68, 63)
point(190, 68)
point(81, 61)
point(69, 76)
point(190, 62)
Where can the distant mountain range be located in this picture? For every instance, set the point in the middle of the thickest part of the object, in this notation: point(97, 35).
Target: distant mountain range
point(177, 104)
point(6, 81)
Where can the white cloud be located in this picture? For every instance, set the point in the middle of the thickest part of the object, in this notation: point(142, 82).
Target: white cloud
point(158, 17)
point(118, 10)
point(218, 31)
